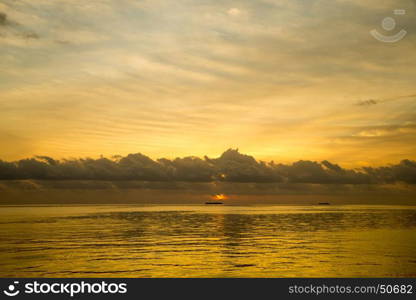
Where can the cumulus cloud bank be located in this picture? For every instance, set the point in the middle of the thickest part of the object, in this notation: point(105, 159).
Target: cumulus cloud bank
point(231, 166)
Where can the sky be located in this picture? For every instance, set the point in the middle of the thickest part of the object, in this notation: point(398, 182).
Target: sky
point(281, 80)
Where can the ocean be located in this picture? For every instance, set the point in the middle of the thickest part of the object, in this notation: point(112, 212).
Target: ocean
point(208, 241)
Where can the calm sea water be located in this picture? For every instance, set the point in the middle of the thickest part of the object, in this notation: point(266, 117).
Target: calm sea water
point(206, 241)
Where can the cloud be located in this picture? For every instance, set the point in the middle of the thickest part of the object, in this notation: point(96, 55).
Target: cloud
point(231, 166)
point(405, 171)
point(29, 35)
point(3, 19)
point(191, 169)
point(322, 173)
point(236, 167)
point(234, 11)
point(15, 29)
point(224, 73)
point(370, 102)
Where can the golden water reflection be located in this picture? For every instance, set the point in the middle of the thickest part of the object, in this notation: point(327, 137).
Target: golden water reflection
point(200, 241)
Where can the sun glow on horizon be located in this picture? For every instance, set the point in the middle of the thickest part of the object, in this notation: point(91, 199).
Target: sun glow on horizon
point(220, 197)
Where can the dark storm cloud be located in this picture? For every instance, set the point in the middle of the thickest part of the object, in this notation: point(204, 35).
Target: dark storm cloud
point(231, 166)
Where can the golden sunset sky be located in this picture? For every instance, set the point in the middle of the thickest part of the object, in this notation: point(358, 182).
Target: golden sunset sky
point(279, 79)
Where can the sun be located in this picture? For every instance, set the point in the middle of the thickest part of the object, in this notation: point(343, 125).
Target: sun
point(220, 197)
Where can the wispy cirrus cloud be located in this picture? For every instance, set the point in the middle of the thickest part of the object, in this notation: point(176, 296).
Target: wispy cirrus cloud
point(181, 78)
